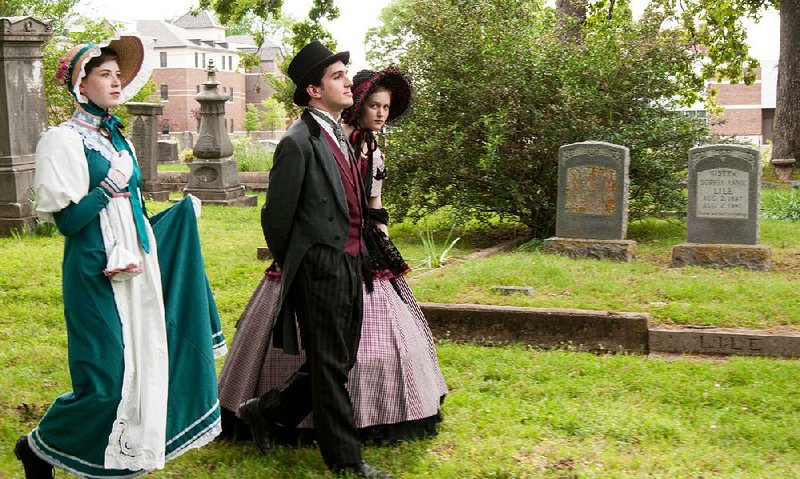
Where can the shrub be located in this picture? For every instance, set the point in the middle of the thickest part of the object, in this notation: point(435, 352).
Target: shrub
point(186, 156)
point(498, 90)
point(251, 156)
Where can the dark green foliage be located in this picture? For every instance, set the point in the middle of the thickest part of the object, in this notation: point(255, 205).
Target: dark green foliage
point(499, 90)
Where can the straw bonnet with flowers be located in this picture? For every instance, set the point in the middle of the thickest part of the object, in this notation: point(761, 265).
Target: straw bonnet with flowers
point(142, 324)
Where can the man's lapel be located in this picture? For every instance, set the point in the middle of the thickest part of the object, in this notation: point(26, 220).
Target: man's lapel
point(325, 157)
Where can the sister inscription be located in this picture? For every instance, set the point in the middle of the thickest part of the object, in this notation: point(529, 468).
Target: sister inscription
point(723, 193)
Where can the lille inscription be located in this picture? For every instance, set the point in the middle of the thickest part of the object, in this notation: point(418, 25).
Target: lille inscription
point(729, 343)
point(723, 193)
point(591, 190)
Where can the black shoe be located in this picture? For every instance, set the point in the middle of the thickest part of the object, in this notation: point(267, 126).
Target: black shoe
point(362, 469)
point(35, 467)
point(262, 429)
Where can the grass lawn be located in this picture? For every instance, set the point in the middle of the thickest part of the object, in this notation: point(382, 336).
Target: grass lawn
point(691, 295)
point(511, 412)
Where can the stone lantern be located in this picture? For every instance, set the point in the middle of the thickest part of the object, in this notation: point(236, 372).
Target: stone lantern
point(213, 177)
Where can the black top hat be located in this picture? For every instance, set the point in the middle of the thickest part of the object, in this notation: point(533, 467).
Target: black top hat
point(366, 81)
point(311, 59)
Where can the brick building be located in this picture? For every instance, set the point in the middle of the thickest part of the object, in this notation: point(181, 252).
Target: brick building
point(749, 110)
point(185, 48)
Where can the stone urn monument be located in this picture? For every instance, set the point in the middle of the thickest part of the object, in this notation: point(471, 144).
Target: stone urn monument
point(213, 177)
point(783, 168)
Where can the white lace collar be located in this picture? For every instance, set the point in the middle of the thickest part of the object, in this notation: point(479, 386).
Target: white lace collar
point(88, 126)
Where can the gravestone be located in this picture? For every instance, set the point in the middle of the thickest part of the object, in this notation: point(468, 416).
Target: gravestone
point(144, 136)
point(22, 117)
point(592, 208)
point(723, 223)
point(168, 151)
point(213, 175)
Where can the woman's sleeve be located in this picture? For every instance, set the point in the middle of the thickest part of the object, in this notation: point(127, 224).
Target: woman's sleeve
point(378, 173)
point(74, 217)
point(61, 182)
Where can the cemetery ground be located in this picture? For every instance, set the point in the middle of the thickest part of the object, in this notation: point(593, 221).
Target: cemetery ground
point(512, 412)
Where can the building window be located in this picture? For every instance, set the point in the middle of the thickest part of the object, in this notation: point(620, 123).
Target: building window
point(231, 125)
point(223, 62)
point(695, 113)
point(196, 60)
point(198, 88)
point(164, 92)
point(230, 98)
point(230, 62)
point(204, 60)
point(163, 59)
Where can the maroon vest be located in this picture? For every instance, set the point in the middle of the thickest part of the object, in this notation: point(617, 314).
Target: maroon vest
point(351, 181)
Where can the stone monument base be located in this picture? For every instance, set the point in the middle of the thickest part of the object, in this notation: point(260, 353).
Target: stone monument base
point(9, 225)
point(156, 195)
point(755, 257)
point(617, 250)
point(216, 181)
point(222, 196)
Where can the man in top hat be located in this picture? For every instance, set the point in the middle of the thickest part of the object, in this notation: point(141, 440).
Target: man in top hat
point(312, 222)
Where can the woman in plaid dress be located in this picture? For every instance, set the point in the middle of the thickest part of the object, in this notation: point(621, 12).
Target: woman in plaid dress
point(396, 386)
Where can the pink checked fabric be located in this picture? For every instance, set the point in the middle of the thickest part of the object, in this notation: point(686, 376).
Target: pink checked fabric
point(396, 377)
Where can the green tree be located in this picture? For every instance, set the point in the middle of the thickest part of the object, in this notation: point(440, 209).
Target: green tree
point(274, 115)
point(252, 118)
point(718, 24)
point(57, 13)
point(498, 91)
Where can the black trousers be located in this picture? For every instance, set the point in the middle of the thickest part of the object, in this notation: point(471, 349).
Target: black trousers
point(327, 297)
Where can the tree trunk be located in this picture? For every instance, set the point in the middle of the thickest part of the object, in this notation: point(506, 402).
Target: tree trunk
point(571, 15)
point(786, 130)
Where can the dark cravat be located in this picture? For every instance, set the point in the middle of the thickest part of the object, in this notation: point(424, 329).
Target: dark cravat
point(335, 126)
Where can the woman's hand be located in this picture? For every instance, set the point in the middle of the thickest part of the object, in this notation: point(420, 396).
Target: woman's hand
point(121, 168)
point(384, 229)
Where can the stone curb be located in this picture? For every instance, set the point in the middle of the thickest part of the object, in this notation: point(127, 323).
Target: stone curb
point(582, 330)
point(724, 341)
point(598, 331)
point(590, 330)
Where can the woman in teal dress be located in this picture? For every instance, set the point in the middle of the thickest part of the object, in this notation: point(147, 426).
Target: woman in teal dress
point(142, 324)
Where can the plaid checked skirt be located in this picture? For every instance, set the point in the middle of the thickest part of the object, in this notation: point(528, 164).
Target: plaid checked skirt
point(396, 386)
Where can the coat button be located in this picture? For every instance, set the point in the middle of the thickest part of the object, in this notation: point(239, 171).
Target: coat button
point(324, 199)
point(330, 218)
point(337, 237)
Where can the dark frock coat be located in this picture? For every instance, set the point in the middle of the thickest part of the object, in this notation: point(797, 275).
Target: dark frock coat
point(306, 205)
